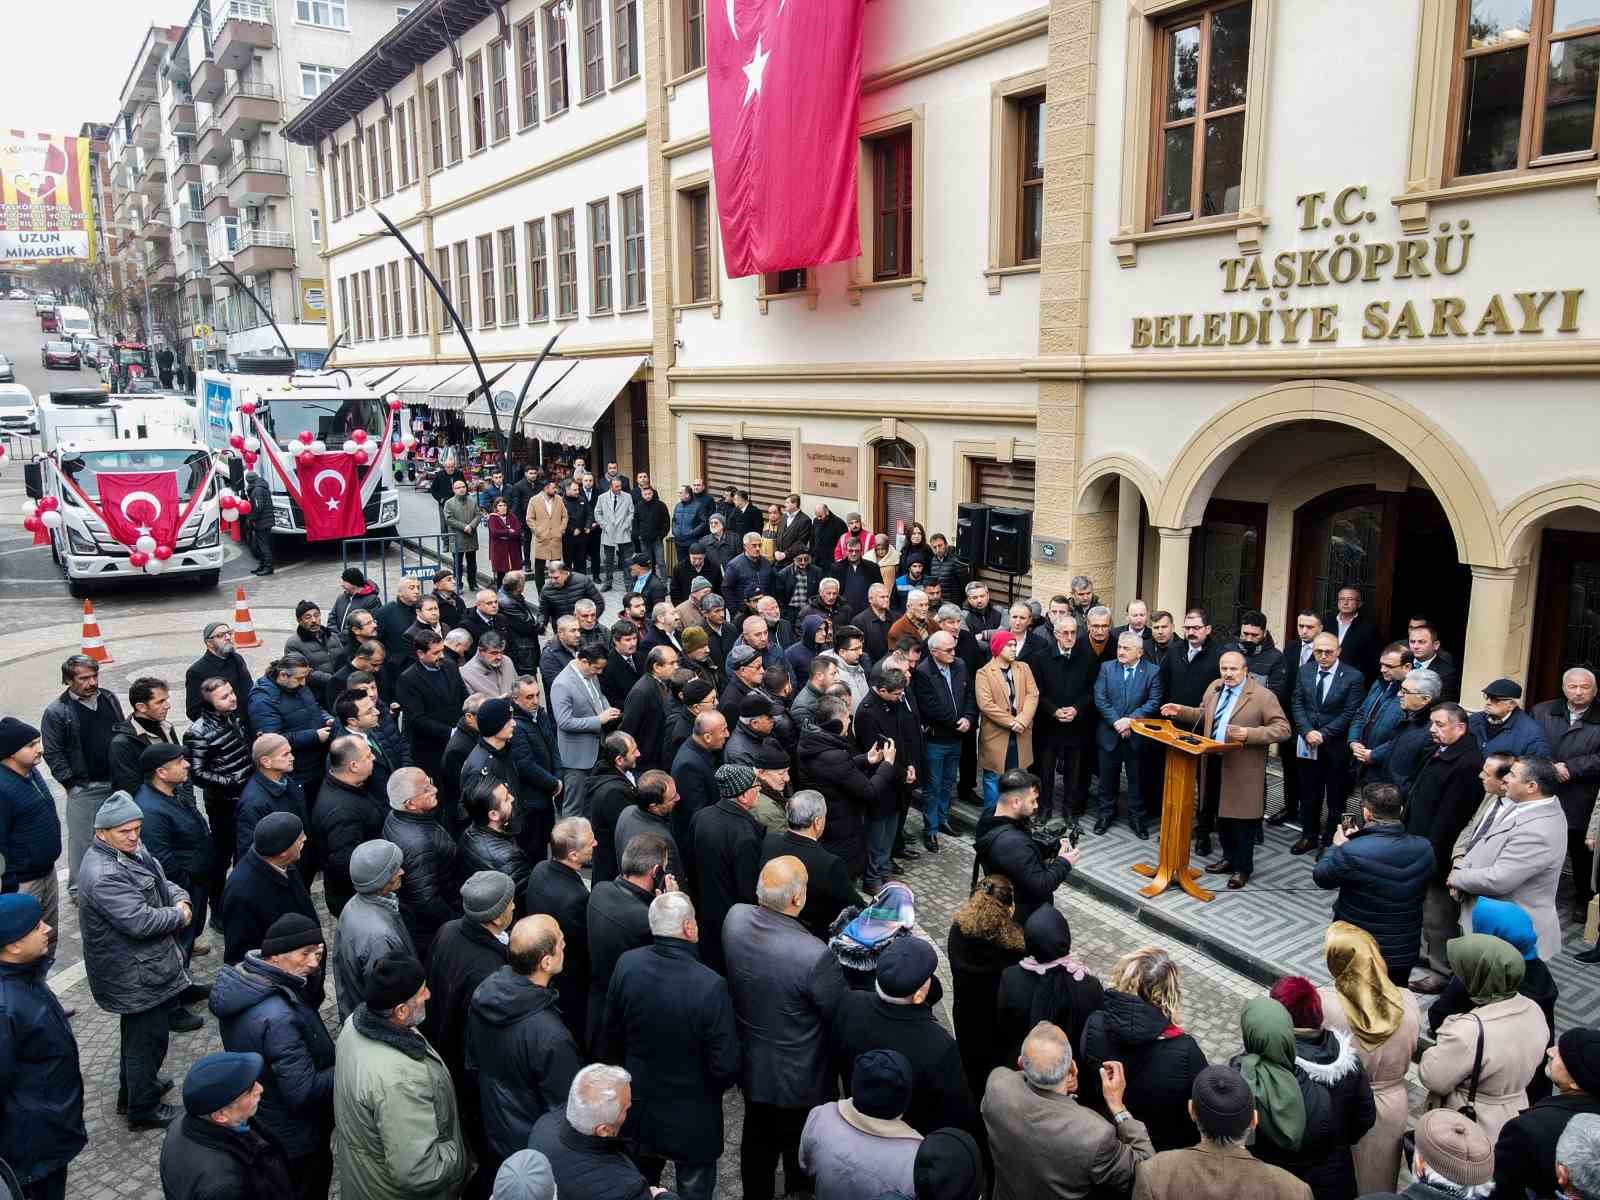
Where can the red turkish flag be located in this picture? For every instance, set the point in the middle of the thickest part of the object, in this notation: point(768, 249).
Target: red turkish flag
point(137, 503)
point(785, 92)
point(330, 496)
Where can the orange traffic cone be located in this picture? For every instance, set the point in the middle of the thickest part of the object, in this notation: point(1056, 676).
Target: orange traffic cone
point(244, 633)
point(94, 645)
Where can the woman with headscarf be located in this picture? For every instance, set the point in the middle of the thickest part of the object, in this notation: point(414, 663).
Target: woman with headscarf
point(1328, 1059)
point(984, 941)
point(1048, 985)
point(1512, 1030)
point(1294, 1128)
point(859, 936)
point(1510, 923)
point(1137, 1025)
point(1384, 1022)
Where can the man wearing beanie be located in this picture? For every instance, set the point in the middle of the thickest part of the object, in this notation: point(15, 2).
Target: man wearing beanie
point(174, 831)
point(690, 596)
point(265, 886)
point(370, 926)
point(139, 976)
point(41, 1085)
point(754, 731)
point(220, 661)
point(1047, 1144)
point(690, 697)
point(526, 1175)
point(898, 1015)
point(727, 841)
point(1220, 1167)
point(393, 1100)
point(467, 951)
point(428, 889)
point(858, 1148)
point(30, 832)
point(263, 1005)
point(1525, 1153)
point(669, 1021)
point(216, 1149)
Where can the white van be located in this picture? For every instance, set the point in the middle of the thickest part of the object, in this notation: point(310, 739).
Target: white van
point(73, 323)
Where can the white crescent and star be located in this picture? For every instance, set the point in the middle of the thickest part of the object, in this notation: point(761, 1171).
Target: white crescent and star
point(755, 69)
point(148, 498)
point(316, 488)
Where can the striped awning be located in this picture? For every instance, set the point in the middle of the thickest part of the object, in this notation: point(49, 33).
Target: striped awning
point(568, 414)
point(508, 388)
point(417, 388)
point(452, 395)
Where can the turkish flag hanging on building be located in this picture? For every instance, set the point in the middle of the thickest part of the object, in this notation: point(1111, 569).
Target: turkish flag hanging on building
point(330, 496)
point(139, 503)
point(785, 92)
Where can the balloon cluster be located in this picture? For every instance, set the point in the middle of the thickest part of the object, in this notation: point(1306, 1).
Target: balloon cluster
point(305, 444)
point(41, 514)
point(231, 506)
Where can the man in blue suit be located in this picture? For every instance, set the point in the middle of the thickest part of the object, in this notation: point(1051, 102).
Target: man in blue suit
point(1380, 716)
point(1327, 697)
point(1125, 690)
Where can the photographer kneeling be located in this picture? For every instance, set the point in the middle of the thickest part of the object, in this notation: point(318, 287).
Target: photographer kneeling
point(1006, 846)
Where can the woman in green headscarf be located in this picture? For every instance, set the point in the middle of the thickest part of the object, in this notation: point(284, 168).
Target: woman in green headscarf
point(1515, 1034)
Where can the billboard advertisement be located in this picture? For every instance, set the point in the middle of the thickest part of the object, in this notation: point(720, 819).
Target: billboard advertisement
point(46, 214)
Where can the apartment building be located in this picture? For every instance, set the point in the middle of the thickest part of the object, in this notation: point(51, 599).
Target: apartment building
point(506, 144)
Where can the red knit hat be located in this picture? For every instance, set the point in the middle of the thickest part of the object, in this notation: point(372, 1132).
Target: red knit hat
point(999, 640)
point(1299, 996)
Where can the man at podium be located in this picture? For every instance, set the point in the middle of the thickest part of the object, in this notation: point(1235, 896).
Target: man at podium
point(1235, 708)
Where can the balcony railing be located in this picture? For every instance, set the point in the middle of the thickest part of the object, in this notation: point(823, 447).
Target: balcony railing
point(223, 11)
point(259, 166)
point(254, 235)
point(248, 87)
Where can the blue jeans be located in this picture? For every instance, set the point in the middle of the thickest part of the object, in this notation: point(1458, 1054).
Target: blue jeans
point(1124, 753)
point(880, 843)
point(991, 779)
point(944, 764)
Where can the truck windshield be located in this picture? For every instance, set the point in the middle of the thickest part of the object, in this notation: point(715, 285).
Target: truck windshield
point(331, 419)
point(85, 468)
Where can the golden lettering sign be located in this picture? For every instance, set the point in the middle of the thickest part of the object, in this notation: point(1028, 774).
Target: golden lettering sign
point(831, 471)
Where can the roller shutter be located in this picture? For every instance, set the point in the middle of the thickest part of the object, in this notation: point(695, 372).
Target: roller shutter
point(762, 468)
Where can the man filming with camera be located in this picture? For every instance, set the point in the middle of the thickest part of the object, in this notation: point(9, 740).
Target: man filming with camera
point(1007, 846)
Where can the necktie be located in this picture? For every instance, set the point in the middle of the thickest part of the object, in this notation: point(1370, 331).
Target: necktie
point(1127, 676)
point(1322, 686)
point(1011, 691)
point(1305, 653)
point(1219, 722)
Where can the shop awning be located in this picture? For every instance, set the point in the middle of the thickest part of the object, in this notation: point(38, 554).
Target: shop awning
point(453, 393)
point(371, 377)
point(568, 414)
point(394, 381)
point(416, 389)
point(508, 387)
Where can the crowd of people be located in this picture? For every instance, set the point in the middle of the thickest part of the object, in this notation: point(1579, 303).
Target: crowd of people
point(568, 881)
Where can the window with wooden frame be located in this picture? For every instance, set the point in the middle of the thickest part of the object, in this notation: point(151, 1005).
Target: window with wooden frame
point(624, 40)
point(634, 265)
point(538, 271)
point(692, 36)
point(394, 297)
point(344, 309)
point(1203, 68)
point(345, 157)
point(452, 115)
point(527, 35)
point(435, 129)
point(594, 48)
point(566, 264)
point(1030, 178)
point(413, 310)
point(386, 146)
point(366, 299)
point(441, 272)
point(892, 192)
point(373, 177)
point(696, 274)
point(499, 92)
point(1526, 78)
point(508, 276)
point(600, 256)
point(383, 306)
point(335, 205)
point(555, 60)
point(488, 283)
point(463, 281)
point(1016, 176)
point(477, 105)
point(358, 169)
point(355, 311)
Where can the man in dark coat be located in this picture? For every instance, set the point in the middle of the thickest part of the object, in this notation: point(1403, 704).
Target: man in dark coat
point(556, 889)
point(265, 886)
point(431, 694)
point(829, 890)
point(611, 790)
point(1572, 727)
point(174, 831)
point(1063, 733)
point(259, 494)
point(1444, 794)
point(1006, 847)
point(1525, 1154)
point(348, 813)
point(794, 532)
point(885, 716)
point(624, 664)
point(356, 594)
point(694, 770)
point(1360, 643)
point(41, 1085)
point(429, 888)
point(727, 855)
point(216, 1149)
point(1327, 696)
point(619, 919)
point(591, 1159)
point(670, 1023)
point(856, 576)
point(853, 784)
point(644, 709)
point(281, 703)
point(220, 661)
point(394, 618)
point(942, 687)
point(536, 754)
point(561, 593)
point(827, 527)
point(898, 1015)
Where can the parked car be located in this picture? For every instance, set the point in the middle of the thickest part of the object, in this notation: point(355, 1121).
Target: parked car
point(18, 412)
point(89, 351)
point(59, 354)
point(8, 372)
point(18, 294)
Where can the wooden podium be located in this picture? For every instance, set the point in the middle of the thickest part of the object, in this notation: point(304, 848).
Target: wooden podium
point(1184, 752)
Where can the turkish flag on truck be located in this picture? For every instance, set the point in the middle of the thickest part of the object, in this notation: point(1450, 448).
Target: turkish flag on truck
point(785, 93)
point(330, 496)
point(140, 503)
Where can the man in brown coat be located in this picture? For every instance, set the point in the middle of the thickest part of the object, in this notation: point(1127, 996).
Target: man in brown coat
point(1219, 1168)
point(1235, 708)
point(546, 520)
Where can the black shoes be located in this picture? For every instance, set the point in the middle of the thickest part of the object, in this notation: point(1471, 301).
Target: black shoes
point(1202, 844)
point(262, 571)
point(1278, 819)
point(1220, 868)
point(1590, 956)
point(930, 842)
point(164, 1083)
point(1101, 825)
point(1237, 881)
point(164, 1115)
point(1304, 845)
point(907, 853)
point(181, 1020)
point(1141, 831)
point(195, 993)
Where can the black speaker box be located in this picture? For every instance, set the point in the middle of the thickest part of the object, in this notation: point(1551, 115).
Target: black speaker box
point(972, 533)
point(1010, 541)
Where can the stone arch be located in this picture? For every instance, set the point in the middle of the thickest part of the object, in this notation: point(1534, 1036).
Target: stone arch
point(1102, 471)
point(1522, 516)
point(887, 430)
point(1436, 457)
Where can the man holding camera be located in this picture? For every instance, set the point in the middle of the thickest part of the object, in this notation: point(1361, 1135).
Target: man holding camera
point(1006, 846)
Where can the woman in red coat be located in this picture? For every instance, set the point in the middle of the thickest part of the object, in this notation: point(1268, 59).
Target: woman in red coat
point(505, 541)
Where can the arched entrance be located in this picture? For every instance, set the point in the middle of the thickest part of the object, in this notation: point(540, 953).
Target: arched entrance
point(894, 487)
point(1554, 531)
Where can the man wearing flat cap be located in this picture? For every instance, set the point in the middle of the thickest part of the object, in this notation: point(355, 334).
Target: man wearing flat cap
point(393, 1100)
point(175, 832)
point(263, 1005)
point(264, 886)
point(1503, 727)
point(1220, 1167)
point(217, 1149)
point(727, 855)
point(1454, 1157)
point(370, 926)
point(137, 975)
point(41, 1085)
point(754, 731)
point(898, 1015)
point(30, 831)
point(1525, 1154)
